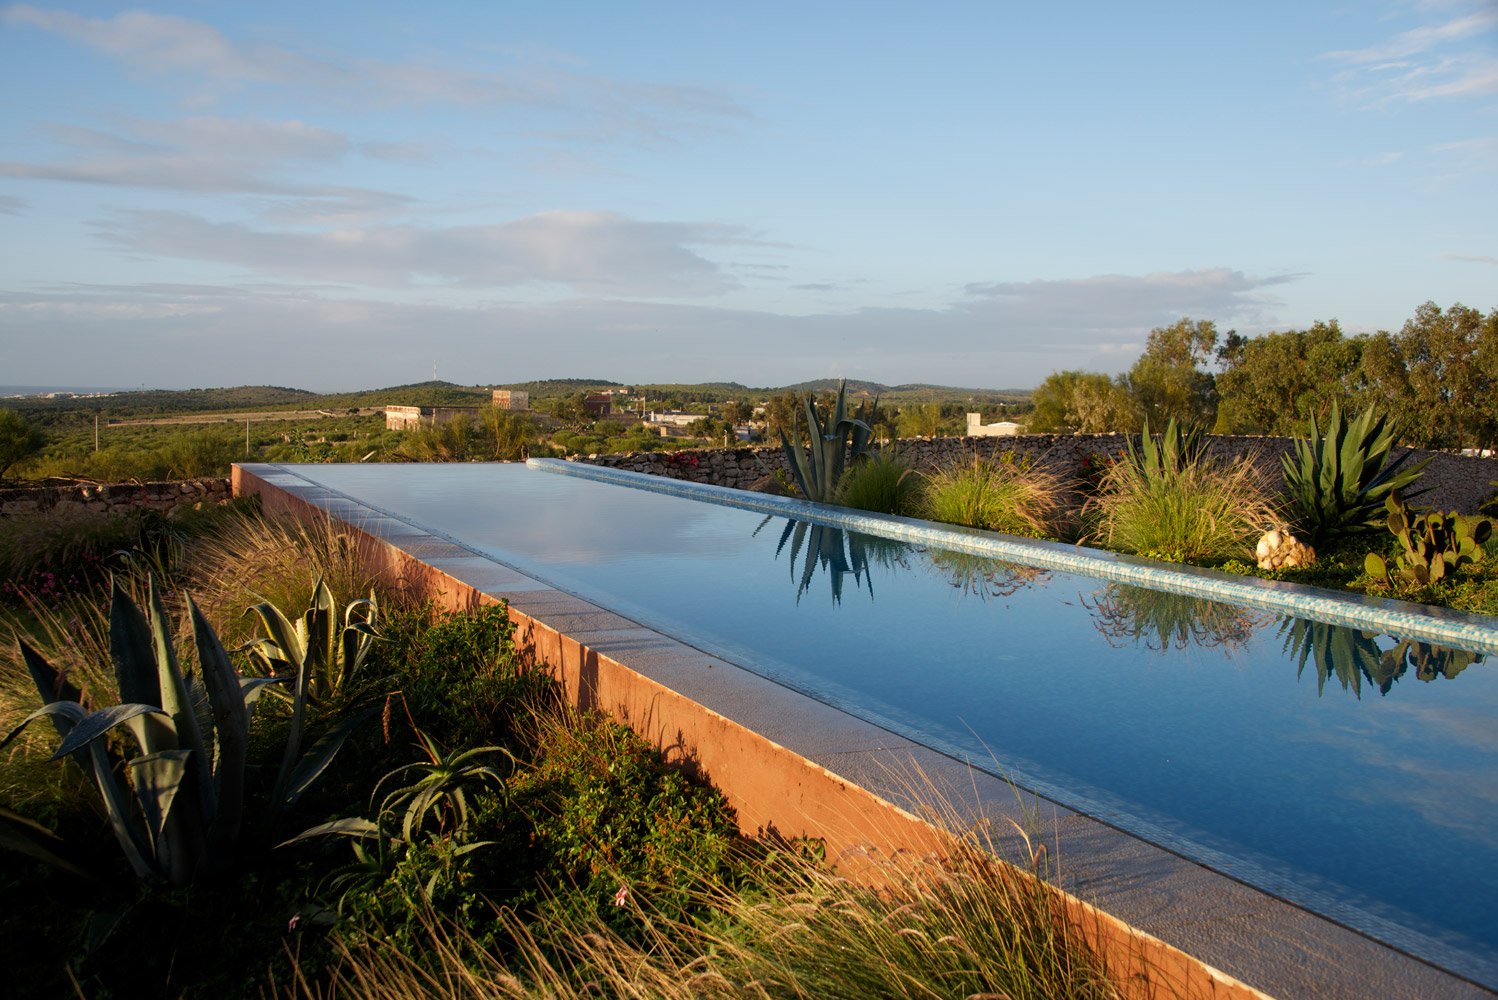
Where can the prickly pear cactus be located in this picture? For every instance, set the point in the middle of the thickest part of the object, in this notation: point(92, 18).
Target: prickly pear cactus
point(1433, 545)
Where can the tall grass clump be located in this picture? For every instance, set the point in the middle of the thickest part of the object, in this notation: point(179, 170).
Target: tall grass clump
point(883, 483)
point(251, 558)
point(964, 925)
point(1167, 499)
point(1006, 494)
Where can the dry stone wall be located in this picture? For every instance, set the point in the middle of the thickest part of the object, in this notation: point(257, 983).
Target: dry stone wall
point(115, 498)
point(1456, 482)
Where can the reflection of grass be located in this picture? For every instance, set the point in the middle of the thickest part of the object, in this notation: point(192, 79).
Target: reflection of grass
point(984, 576)
point(1162, 620)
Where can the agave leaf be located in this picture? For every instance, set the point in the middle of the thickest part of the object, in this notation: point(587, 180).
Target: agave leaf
point(65, 715)
point(20, 835)
point(130, 648)
point(353, 826)
point(99, 722)
point(231, 728)
point(319, 756)
point(177, 703)
point(251, 687)
point(281, 632)
point(158, 778)
point(50, 683)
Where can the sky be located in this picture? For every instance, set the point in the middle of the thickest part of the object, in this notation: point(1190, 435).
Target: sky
point(340, 196)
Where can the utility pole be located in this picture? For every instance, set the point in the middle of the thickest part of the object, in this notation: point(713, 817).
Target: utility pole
point(96, 430)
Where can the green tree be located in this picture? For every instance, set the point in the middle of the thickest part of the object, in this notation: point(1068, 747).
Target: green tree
point(1274, 384)
point(1170, 380)
point(1085, 402)
point(923, 420)
point(1451, 391)
point(18, 440)
point(509, 436)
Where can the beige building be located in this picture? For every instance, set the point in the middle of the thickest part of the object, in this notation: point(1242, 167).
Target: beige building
point(512, 399)
point(978, 429)
point(399, 418)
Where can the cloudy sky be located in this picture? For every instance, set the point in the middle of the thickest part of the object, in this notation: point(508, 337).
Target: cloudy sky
point(336, 196)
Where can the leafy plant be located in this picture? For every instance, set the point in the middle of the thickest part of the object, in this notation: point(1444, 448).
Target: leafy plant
point(819, 467)
point(430, 806)
point(180, 814)
point(1340, 476)
point(316, 647)
point(1432, 544)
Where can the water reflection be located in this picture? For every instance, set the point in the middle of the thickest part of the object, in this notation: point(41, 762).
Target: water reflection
point(1159, 620)
point(837, 552)
point(1351, 656)
point(983, 576)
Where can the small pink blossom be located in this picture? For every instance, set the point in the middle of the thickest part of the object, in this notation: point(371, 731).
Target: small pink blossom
point(291, 925)
point(622, 896)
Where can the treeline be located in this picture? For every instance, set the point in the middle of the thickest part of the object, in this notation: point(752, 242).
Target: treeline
point(1438, 376)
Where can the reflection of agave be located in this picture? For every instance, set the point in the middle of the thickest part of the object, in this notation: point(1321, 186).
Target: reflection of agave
point(1351, 655)
point(837, 551)
point(1338, 651)
point(1162, 620)
point(984, 576)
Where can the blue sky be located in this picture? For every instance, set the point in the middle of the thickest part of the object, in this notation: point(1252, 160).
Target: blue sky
point(338, 196)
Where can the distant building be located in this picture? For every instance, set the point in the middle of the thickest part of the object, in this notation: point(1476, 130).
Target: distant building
point(673, 418)
point(399, 418)
point(1004, 428)
point(598, 404)
point(512, 399)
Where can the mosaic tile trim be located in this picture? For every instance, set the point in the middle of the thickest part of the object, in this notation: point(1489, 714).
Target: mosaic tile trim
point(1478, 633)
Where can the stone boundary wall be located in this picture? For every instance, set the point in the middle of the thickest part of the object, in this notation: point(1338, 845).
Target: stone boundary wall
point(113, 498)
point(1456, 482)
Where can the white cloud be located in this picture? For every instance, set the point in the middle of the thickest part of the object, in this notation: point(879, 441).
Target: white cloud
point(1474, 258)
point(611, 108)
point(587, 251)
point(1454, 58)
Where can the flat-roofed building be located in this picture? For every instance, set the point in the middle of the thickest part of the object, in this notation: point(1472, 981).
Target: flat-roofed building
point(512, 399)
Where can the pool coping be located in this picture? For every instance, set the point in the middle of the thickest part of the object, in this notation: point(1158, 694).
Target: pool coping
point(796, 767)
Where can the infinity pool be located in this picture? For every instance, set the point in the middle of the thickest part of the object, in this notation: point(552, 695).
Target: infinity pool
point(1353, 773)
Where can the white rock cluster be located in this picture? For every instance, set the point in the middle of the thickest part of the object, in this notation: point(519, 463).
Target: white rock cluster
point(1278, 549)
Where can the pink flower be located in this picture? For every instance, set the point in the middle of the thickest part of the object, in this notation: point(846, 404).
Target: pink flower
point(291, 925)
point(622, 896)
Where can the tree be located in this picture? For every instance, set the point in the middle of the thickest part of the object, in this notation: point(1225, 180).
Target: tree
point(18, 440)
point(1450, 389)
point(1170, 380)
point(1276, 383)
point(1085, 402)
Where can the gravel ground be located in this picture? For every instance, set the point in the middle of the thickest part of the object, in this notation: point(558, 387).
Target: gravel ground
point(1457, 483)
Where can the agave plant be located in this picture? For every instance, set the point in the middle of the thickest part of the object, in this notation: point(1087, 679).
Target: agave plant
point(1177, 449)
point(843, 438)
point(1339, 477)
point(330, 656)
point(179, 815)
point(1347, 654)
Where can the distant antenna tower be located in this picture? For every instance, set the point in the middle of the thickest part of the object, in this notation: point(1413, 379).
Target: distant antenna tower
point(434, 370)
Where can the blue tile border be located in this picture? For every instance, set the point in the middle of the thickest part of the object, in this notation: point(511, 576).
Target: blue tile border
point(1478, 633)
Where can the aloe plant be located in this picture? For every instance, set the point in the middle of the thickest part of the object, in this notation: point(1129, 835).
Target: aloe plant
point(843, 438)
point(179, 815)
point(1340, 476)
point(1432, 544)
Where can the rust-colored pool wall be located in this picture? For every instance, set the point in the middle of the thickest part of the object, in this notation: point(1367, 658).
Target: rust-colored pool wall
point(771, 789)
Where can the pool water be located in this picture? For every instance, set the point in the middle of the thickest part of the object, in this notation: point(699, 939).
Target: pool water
point(1352, 773)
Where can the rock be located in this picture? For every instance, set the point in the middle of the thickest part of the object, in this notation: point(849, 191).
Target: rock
point(1278, 549)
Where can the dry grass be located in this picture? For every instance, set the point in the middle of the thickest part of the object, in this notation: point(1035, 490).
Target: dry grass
point(1015, 497)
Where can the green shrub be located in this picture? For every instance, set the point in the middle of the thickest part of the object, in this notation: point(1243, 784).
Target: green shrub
point(1339, 477)
point(1183, 511)
point(1431, 545)
point(882, 482)
point(1004, 494)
